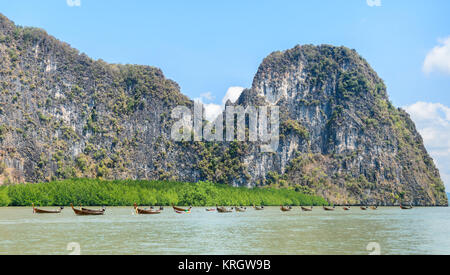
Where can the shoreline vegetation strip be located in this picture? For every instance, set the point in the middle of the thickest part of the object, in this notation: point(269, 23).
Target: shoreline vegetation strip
point(94, 192)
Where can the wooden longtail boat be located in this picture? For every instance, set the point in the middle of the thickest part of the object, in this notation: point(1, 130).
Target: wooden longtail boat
point(406, 207)
point(328, 208)
point(306, 209)
point(41, 211)
point(224, 210)
point(240, 209)
point(374, 207)
point(210, 210)
point(346, 208)
point(147, 212)
point(181, 209)
point(183, 212)
point(285, 208)
point(363, 208)
point(88, 212)
point(258, 208)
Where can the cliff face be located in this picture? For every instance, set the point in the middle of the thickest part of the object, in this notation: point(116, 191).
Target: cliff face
point(341, 137)
point(64, 115)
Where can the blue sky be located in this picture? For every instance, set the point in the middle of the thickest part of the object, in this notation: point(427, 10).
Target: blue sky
point(210, 46)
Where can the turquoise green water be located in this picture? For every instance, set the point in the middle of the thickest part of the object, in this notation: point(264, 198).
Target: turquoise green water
point(417, 231)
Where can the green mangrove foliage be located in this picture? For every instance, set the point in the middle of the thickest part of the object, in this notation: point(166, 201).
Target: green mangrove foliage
point(91, 192)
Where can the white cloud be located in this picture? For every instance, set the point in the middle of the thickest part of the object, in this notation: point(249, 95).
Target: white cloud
point(433, 123)
point(374, 3)
point(73, 3)
point(232, 94)
point(208, 96)
point(438, 59)
point(213, 110)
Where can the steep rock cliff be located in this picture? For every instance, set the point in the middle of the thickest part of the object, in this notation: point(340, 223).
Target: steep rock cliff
point(340, 135)
point(65, 115)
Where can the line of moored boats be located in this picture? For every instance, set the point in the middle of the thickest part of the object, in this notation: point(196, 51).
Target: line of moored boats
point(81, 211)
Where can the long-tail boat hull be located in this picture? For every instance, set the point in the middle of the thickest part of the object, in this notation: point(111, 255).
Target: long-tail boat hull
point(41, 211)
point(91, 210)
point(183, 212)
point(363, 208)
point(306, 209)
point(285, 209)
point(181, 209)
point(240, 209)
point(346, 208)
point(258, 208)
point(88, 212)
point(224, 210)
point(146, 212)
point(328, 208)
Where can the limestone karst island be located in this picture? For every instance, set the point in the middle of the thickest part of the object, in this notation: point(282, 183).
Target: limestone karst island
point(224, 128)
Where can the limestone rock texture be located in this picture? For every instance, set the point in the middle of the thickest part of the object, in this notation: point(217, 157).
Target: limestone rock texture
point(64, 115)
